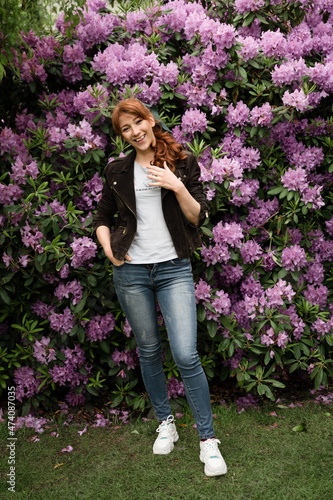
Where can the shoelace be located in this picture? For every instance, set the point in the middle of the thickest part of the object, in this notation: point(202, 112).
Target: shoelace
point(166, 422)
point(211, 445)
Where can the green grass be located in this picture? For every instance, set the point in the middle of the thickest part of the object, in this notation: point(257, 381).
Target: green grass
point(265, 457)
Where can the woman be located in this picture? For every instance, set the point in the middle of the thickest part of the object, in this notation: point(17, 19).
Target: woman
point(158, 201)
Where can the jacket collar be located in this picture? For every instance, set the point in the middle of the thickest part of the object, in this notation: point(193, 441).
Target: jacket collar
point(123, 164)
point(122, 172)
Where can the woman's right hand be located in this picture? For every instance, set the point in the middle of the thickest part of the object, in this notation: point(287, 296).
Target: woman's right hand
point(104, 237)
point(117, 262)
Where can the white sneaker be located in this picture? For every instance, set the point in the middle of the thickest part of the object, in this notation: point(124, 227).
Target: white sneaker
point(211, 456)
point(167, 436)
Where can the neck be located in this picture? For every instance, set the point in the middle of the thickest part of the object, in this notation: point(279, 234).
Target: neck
point(144, 157)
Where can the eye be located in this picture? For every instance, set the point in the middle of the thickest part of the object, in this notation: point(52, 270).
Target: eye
point(139, 120)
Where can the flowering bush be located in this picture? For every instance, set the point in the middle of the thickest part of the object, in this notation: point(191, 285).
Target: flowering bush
point(247, 86)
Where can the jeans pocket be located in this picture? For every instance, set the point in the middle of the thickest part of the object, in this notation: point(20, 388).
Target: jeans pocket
point(180, 262)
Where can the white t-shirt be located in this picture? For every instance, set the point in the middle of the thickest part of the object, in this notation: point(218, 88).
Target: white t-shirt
point(152, 242)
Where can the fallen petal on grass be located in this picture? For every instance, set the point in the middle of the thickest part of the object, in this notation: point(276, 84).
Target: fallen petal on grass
point(68, 449)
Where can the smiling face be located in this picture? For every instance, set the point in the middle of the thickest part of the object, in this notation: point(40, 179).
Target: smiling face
point(137, 131)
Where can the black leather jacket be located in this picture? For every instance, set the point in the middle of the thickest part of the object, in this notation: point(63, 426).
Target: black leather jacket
point(117, 209)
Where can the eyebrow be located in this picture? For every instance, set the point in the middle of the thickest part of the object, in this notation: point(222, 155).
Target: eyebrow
point(128, 125)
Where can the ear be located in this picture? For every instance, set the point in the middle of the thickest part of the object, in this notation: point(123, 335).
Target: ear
point(152, 120)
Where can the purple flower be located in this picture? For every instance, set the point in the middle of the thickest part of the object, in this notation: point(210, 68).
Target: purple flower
point(225, 169)
point(296, 322)
point(315, 273)
point(273, 43)
point(9, 194)
point(296, 99)
point(246, 191)
point(202, 291)
point(282, 339)
point(289, 72)
point(64, 271)
point(293, 258)
point(32, 237)
point(175, 388)
point(26, 384)
point(295, 179)
point(218, 253)
point(21, 170)
point(74, 54)
point(221, 303)
point(238, 115)
point(84, 249)
point(31, 422)
point(250, 251)
point(267, 339)
point(42, 352)
point(100, 327)
point(329, 226)
point(231, 234)
point(193, 120)
point(42, 309)
point(262, 115)
point(129, 357)
point(231, 274)
point(70, 372)
point(317, 295)
point(250, 47)
point(313, 196)
point(244, 6)
point(72, 287)
point(62, 323)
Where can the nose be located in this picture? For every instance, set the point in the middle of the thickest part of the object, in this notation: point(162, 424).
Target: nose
point(135, 130)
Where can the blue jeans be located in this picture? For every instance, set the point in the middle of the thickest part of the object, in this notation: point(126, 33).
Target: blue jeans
point(171, 283)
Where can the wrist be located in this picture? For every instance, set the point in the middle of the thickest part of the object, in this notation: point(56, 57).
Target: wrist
point(179, 187)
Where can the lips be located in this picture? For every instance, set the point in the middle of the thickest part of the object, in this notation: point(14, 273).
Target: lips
point(140, 139)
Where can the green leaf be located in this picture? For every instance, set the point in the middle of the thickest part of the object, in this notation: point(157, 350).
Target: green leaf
point(278, 384)
point(80, 306)
point(105, 346)
point(231, 349)
point(212, 328)
point(224, 344)
point(92, 390)
point(248, 19)
point(81, 335)
point(268, 392)
point(300, 428)
point(283, 193)
point(207, 232)
point(209, 273)
point(243, 73)
point(226, 323)
point(201, 312)
point(319, 378)
point(4, 296)
point(261, 389)
point(92, 280)
point(267, 358)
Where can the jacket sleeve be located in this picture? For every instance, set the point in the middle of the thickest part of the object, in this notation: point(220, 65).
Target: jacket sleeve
point(195, 188)
point(106, 208)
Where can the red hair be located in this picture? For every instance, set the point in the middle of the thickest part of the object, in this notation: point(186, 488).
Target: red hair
point(166, 147)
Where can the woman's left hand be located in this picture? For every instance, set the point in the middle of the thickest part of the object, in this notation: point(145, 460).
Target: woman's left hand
point(164, 177)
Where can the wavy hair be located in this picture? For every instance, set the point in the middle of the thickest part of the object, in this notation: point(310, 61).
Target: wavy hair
point(166, 147)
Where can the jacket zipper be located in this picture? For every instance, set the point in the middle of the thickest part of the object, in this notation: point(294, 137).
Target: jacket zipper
point(129, 210)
